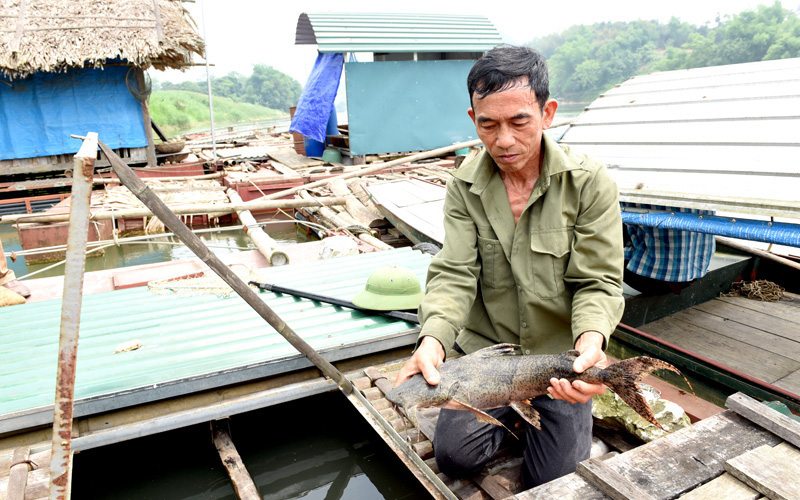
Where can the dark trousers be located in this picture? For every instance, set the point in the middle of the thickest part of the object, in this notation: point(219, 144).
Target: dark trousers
point(463, 446)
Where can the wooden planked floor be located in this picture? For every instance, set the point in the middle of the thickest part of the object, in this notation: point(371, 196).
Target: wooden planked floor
point(761, 339)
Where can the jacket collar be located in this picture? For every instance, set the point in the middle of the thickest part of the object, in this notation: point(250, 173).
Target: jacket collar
point(480, 171)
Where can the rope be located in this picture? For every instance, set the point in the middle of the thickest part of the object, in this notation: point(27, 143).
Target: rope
point(757, 290)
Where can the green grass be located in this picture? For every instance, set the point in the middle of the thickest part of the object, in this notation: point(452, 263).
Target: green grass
point(178, 111)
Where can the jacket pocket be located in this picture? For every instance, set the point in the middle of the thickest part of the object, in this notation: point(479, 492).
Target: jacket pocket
point(550, 251)
point(492, 262)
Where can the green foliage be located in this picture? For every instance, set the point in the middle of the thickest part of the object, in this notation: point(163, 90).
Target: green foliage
point(587, 60)
point(178, 111)
point(266, 86)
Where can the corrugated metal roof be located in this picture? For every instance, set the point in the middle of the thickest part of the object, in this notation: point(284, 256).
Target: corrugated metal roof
point(722, 138)
point(396, 32)
point(188, 343)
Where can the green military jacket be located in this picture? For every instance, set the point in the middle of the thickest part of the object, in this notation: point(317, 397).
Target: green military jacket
point(540, 283)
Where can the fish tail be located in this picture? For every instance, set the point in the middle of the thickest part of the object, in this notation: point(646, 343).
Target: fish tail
point(624, 376)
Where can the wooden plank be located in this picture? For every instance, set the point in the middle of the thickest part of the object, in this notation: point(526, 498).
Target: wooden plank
point(765, 417)
point(747, 316)
point(610, 482)
point(790, 382)
point(280, 167)
point(18, 475)
point(492, 486)
point(726, 486)
point(748, 334)
point(769, 471)
point(752, 360)
point(672, 465)
point(243, 484)
point(291, 159)
point(785, 308)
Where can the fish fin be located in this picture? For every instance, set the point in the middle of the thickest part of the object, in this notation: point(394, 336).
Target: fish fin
point(624, 376)
point(572, 352)
point(496, 350)
point(527, 412)
point(482, 416)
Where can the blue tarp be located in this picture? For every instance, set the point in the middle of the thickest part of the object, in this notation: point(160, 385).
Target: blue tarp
point(316, 101)
point(38, 113)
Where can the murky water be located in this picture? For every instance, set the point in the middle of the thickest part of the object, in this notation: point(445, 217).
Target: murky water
point(315, 448)
point(219, 240)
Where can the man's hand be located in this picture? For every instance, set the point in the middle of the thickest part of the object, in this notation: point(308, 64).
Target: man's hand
point(590, 345)
point(425, 360)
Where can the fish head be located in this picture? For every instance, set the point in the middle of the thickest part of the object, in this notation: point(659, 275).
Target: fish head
point(417, 392)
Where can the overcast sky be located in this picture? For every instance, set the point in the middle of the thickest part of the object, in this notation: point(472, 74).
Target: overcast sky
point(241, 33)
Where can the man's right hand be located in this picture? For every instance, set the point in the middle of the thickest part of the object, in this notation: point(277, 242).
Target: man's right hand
point(425, 360)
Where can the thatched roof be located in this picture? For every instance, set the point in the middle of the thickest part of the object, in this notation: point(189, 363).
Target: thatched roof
point(53, 35)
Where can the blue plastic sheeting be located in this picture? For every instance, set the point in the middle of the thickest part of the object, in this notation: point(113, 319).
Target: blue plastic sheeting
point(407, 105)
point(316, 101)
point(778, 233)
point(39, 113)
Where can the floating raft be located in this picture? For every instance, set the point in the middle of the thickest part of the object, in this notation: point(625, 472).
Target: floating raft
point(750, 449)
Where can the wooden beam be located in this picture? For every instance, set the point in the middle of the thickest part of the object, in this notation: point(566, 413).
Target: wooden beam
point(773, 472)
point(151, 148)
point(243, 484)
point(771, 420)
point(610, 482)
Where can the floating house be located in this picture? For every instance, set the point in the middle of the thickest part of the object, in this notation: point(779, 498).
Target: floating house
point(71, 67)
point(412, 95)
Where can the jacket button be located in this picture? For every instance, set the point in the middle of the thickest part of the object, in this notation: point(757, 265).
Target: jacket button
point(519, 288)
point(527, 351)
point(524, 325)
point(488, 247)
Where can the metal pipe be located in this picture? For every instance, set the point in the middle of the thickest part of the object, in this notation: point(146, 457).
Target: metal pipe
point(61, 458)
point(154, 203)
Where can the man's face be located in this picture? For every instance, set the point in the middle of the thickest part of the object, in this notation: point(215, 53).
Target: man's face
point(510, 124)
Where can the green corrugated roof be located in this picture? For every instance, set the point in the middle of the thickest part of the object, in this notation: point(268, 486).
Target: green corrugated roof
point(188, 343)
point(396, 32)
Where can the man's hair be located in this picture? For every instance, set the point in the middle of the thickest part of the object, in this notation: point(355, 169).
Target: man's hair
point(506, 66)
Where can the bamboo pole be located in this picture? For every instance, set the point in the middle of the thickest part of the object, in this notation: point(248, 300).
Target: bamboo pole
point(355, 208)
point(266, 245)
point(148, 130)
point(376, 168)
point(18, 474)
point(243, 484)
point(114, 180)
point(154, 203)
point(194, 208)
point(61, 457)
point(731, 242)
point(333, 221)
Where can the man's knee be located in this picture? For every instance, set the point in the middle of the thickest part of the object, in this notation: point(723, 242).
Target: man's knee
point(458, 465)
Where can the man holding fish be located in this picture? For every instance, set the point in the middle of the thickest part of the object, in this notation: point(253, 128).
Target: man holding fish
point(533, 256)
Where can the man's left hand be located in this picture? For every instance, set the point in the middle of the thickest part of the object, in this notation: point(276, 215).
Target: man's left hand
point(590, 347)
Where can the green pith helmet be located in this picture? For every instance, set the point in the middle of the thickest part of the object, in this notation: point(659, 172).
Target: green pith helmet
point(390, 288)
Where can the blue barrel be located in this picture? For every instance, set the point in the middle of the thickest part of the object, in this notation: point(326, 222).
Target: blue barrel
point(333, 124)
point(314, 148)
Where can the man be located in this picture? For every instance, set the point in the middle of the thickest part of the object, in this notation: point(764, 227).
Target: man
point(532, 256)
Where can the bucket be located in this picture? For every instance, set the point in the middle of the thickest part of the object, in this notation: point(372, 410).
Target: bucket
point(313, 147)
point(332, 155)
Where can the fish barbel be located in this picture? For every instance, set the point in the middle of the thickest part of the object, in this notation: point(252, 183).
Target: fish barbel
point(494, 377)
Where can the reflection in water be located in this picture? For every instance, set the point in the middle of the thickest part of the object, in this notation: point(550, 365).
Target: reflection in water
point(314, 448)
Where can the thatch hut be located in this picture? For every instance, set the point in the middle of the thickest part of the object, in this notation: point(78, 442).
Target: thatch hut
point(71, 66)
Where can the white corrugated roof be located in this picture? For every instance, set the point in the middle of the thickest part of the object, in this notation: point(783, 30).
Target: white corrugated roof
point(725, 138)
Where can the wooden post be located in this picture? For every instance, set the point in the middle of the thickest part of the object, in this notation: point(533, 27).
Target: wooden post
point(266, 245)
point(354, 207)
point(243, 484)
point(148, 130)
point(18, 476)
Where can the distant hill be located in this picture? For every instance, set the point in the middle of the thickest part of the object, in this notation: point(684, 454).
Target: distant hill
point(585, 61)
point(178, 111)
